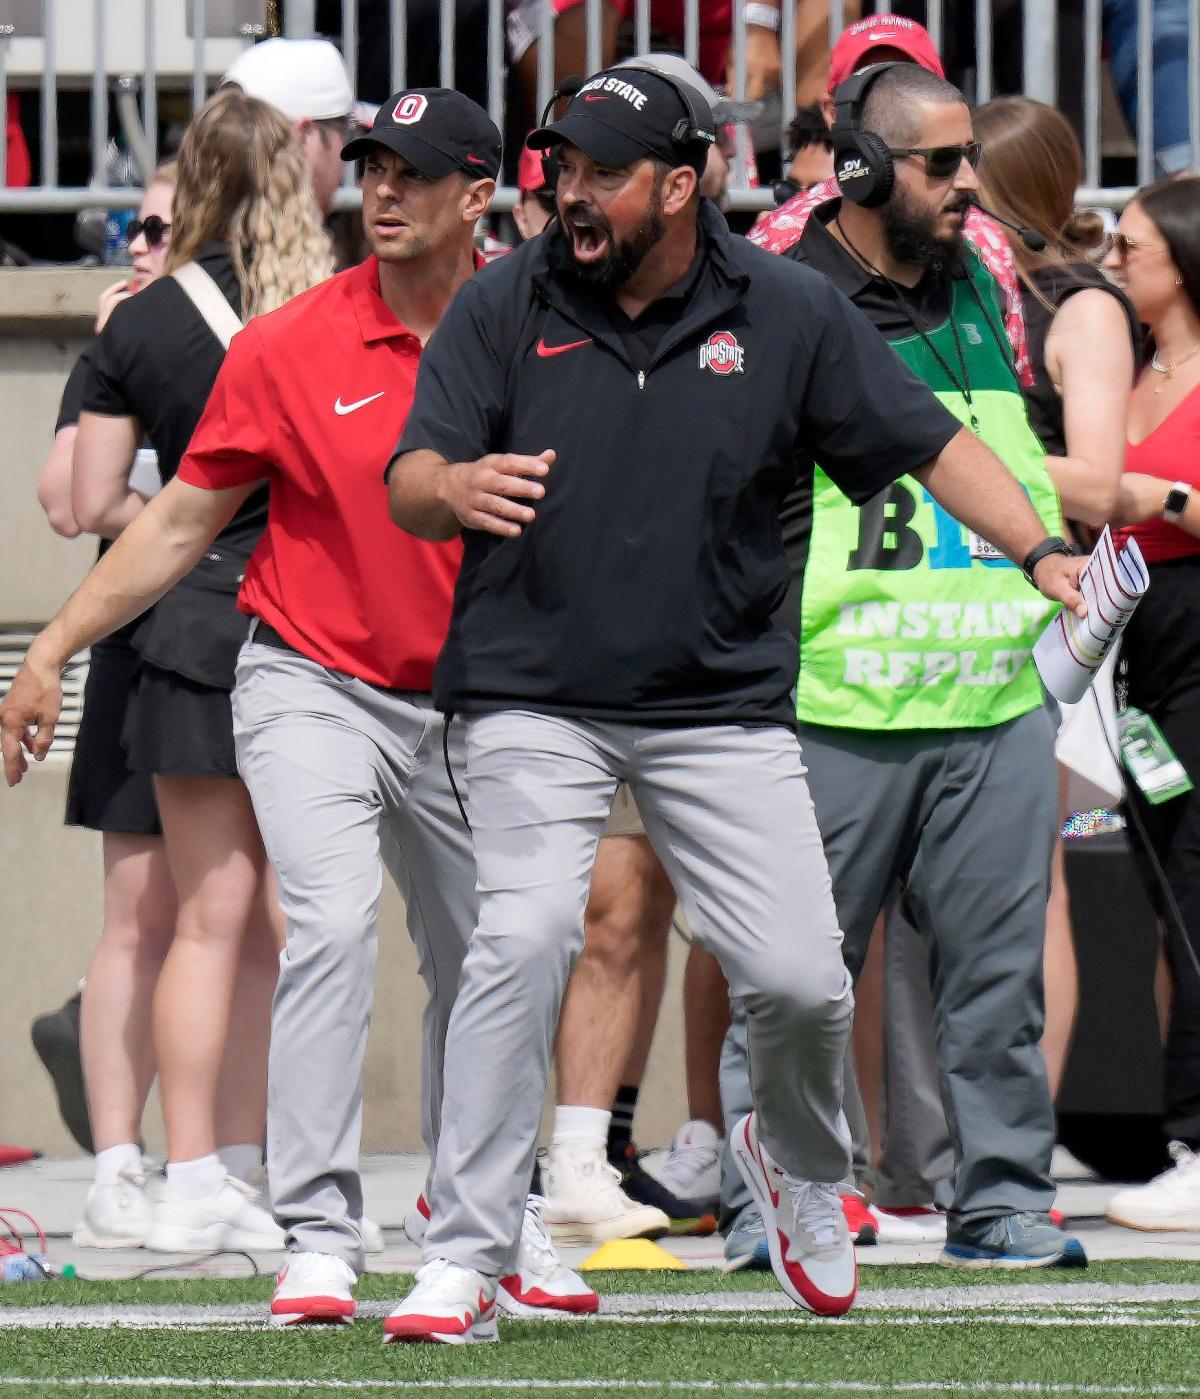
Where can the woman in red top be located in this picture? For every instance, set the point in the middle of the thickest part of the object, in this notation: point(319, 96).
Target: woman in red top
point(1156, 258)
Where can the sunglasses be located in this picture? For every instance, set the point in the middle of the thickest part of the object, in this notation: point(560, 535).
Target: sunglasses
point(1125, 247)
point(942, 162)
point(153, 229)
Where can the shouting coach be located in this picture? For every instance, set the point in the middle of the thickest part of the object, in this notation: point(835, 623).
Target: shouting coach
point(613, 415)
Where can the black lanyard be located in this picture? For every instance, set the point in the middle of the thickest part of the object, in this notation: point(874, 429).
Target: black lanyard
point(963, 385)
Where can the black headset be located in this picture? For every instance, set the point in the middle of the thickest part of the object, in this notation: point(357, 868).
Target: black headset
point(862, 162)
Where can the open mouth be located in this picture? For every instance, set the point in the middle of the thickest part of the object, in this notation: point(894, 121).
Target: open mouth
point(387, 223)
point(589, 242)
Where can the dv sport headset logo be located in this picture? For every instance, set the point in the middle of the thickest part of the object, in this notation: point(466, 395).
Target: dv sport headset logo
point(852, 168)
point(410, 108)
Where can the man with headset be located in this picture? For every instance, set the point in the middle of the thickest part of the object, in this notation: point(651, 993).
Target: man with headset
point(929, 748)
point(612, 417)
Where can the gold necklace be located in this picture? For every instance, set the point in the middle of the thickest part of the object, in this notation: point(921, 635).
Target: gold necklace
point(1169, 369)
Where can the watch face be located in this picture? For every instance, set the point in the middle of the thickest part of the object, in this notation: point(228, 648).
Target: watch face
point(1175, 503)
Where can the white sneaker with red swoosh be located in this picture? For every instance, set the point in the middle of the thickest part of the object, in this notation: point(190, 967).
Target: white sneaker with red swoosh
point(313, 1289)
point(450, 1304)
point(811, 1249)
point(543, 1286)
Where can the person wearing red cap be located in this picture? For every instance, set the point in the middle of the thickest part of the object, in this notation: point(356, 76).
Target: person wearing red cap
point(887, 39)
point(337, 739)
point(535, 199)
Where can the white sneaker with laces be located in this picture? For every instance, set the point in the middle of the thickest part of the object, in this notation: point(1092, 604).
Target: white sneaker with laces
point(450, 1304)
point(230, 1217)
point(542, 1284)
point(692, 1170)
point(117, 1213)
point(584, 1202)
point(313, 1289)
point(1169, 1201)
point(812, 1253)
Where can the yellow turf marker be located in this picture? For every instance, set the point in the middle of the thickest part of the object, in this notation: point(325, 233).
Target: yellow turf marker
point(642, 1255)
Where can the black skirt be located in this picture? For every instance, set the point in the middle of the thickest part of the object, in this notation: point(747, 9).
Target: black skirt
point(103, 792)
point(176, 727)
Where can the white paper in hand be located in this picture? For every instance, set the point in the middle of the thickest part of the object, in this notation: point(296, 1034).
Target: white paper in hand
point(1072, 649)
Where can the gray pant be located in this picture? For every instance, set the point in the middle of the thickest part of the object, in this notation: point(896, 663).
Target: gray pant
point(342, 773)
point(966, 820)
point(727, 809)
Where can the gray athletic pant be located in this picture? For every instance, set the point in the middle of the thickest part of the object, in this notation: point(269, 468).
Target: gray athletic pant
point(966, 819)
point(342, 773)
point(728, 812)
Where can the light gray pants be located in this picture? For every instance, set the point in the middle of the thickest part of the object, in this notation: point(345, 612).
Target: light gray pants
point(966, 820)
point(342, 773)
point(728, 812)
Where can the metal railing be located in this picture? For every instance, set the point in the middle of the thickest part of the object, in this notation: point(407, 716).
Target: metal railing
point(32, 33)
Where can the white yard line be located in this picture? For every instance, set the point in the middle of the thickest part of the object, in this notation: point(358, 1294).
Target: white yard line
point(601, 1385)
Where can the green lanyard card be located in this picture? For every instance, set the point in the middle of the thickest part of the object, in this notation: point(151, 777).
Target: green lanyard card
point(1149, 759)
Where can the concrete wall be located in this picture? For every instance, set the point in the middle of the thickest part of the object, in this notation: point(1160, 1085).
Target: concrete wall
point(51, 877)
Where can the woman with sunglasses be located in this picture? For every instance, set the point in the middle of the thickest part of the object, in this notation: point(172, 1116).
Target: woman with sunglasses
point(1155, 256)
point(111, 1034)
point(244, 215)
point(1084, 344)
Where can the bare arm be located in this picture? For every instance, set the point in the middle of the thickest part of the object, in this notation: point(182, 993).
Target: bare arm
point(975, 486)
point(436, 499)
point(101, 499)
point(158, 548)
point(54, 484)
point(1089, 356)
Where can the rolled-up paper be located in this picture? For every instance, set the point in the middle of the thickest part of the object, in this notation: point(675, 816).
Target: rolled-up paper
point(1072, 649)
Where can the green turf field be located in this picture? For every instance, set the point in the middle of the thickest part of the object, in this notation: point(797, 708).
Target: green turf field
point(1117, 1329)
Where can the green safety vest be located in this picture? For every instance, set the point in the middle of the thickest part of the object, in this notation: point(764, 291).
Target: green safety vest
point(907, 620)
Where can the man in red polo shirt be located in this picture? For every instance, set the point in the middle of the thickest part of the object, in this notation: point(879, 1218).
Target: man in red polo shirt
point(337, 737)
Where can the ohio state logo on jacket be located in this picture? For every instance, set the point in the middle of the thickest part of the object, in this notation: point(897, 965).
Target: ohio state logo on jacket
point(722, 354)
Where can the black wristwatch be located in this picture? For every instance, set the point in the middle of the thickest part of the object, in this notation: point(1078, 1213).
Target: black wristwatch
point(1053, 545)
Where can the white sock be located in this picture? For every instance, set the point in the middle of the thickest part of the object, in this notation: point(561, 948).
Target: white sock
point(243, 1160)
point(574, 1126)
point(196, 1179)
point(114, 1159)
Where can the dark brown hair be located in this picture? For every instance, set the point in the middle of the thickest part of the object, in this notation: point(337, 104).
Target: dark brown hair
point(1031, 167)
point(1173, 206)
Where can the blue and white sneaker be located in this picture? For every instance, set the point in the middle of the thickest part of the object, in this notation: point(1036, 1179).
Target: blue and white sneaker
point(1013, 1241)
point(746, 1243)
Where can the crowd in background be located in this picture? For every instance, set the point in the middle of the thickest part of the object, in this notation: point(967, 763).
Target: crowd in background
point(1102, 325)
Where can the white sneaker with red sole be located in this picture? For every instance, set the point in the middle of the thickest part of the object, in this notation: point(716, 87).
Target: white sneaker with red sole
point(914, 1224)
point(450, 1304)
point(543, 1286)
point(313, 1289)
point(812, 1253)
point(416, 1221)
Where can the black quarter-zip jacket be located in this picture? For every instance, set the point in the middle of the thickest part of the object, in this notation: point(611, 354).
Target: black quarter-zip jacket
point(645, 591)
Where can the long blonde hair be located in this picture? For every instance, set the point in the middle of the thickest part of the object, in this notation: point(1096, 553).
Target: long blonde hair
point(242, 180)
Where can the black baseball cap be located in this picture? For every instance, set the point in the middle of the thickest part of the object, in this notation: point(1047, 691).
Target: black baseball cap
point(436, 130)
point(622, 115)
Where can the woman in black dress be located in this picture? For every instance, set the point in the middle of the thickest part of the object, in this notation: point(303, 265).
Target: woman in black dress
point(244, 215)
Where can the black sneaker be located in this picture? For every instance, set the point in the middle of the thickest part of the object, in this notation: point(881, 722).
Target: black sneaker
point(55, 1037)
point(686, 1216)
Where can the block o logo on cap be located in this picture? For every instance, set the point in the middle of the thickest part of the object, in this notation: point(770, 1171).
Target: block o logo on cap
point(410, 109)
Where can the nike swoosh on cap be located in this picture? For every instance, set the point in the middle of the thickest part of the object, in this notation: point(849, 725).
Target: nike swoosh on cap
point(545, 351)
point(341, 409)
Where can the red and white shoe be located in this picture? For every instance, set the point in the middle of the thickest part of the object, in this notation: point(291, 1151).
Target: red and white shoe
point(542, 1285)
point(811, 1250)
point(313, 1289)
point(450, 1304)
point(416, 1221)
point(911, 1224)
point(859, 1219)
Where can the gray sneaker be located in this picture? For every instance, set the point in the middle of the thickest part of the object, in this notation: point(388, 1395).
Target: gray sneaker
point(1012, 1241)
point(746, 1243)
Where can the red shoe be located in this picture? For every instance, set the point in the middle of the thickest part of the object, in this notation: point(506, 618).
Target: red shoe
point(542, 1285)
point(313, 1289)
point(17, 1155)
point(811, 1250)
point(859, 1219)
point(452, 1305)
point(1058, 1219)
